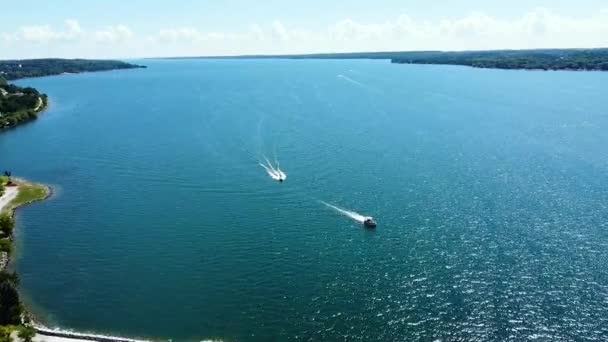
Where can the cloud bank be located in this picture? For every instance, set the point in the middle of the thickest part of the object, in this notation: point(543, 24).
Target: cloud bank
point(539, 28)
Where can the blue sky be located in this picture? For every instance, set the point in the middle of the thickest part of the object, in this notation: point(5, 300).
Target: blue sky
point(137, 28)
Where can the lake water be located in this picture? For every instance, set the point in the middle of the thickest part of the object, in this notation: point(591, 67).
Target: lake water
point(490, 189)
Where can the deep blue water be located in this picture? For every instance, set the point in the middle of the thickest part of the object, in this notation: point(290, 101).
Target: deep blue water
point(490, 189)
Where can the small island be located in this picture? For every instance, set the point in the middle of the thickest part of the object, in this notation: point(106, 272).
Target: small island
point(22, 104)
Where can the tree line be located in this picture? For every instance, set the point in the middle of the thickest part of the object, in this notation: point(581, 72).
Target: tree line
point(12, 313)
point(542, 59)
point(19, 104)
point(555, 59)
point(16, 69)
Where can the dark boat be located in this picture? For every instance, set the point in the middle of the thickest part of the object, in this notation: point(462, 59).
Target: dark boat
point(369, 223)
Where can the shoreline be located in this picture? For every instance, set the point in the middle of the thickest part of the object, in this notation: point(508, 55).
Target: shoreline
point(9, 206)
point(12, 200)
point(24, 193)
point(71, 336)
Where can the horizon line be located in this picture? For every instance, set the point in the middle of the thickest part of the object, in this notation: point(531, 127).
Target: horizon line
point(312, 54)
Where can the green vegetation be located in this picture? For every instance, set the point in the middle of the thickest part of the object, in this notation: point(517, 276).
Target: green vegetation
point(28, 193)
point(591, 59)
point(16, 69)
point(19, 104)
point(22, 104)
point(7, 224)
point(5, 245)
point(11, 308)
point(27, 333)
point(5, 333)
point(7, 176)
point(547, 59)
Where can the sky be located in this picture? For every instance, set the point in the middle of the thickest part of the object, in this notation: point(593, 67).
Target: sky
point(138, 28)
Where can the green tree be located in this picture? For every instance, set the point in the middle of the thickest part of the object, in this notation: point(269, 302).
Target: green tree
point(10, 306)
point(8, 175)
point(5, 334)
point(7, 224)
point(27, 333)
point(10, 277)
point(5, 245)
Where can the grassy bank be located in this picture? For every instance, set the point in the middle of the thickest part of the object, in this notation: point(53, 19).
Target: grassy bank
point(13, 317)
point(28, 192)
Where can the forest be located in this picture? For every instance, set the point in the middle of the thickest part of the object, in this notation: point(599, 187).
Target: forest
point(539, 59)
point(16, 69)
point(19, 104)
point(570, 59)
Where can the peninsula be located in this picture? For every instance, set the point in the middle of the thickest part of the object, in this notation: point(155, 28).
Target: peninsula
point(22, 104)
point(23, 68)
point(19, 104)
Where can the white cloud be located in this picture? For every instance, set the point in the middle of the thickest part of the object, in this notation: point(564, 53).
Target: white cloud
point(73, 27)
point(114, 34)
point(539, 28)
point(6, 37)
point(185, 34)
point(536, 29)
point(257, 32)
point(280, 31)
point(46, 34)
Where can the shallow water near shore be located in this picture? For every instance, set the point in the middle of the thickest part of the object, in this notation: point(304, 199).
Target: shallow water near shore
point(489, 188)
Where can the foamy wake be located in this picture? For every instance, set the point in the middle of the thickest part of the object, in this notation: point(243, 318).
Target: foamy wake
point(61, 335)
point(348, 79)
point(274, 173)
point(353, 215)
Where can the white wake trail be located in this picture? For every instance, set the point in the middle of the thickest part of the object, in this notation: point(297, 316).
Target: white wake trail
point(348, 79)
point(274, 173)
point(270, 164)
point(282, 174)
point(355, 216)
point(278, 169)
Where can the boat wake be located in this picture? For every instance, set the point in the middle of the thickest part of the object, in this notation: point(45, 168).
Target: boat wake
point(348, 79)
point(353, 215)
point(274, 173)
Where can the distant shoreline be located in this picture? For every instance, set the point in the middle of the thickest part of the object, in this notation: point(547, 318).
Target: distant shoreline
point(595, 59)
point(19, 113)
point(16, 69)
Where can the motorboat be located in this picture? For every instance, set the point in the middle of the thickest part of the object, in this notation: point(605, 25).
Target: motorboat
point(369, 222)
